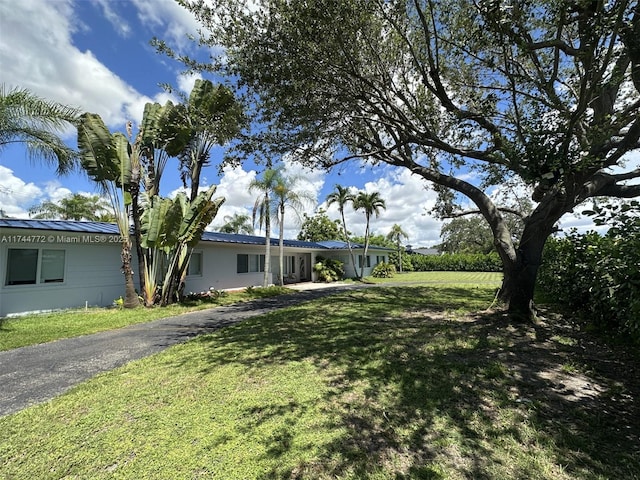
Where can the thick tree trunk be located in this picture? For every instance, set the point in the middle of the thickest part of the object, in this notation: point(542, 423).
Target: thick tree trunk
point(137, 235)
point(130, 296)
point(519, 279)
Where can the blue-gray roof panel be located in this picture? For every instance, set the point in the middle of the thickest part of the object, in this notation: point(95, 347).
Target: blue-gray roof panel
point(112, 229)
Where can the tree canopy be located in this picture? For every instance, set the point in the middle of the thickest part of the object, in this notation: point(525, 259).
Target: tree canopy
point(465, 94)
point(75, 207)
point(319, 227)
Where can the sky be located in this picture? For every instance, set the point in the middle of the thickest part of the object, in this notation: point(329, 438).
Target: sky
point(95, 55)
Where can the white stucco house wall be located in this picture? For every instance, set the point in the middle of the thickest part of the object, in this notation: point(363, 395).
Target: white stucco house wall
point(55, 264)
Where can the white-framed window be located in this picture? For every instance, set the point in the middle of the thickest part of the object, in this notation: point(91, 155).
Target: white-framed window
point(195, 264)
point(367, 261)
point(31, 266)
point(380, 259)
point(250, 263)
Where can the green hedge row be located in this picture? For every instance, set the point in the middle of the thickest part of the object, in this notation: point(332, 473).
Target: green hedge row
point(597, 276)
point(456, 262)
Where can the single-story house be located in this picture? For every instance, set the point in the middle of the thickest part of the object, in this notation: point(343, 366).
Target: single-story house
point(54, 264)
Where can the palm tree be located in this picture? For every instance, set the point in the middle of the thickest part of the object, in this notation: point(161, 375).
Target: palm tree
point(262, 212)
point(286, 195)
point(396, 234)
point(210, 117)
point(238, 223)
point(108, 159)
point(371, 203)
point(342, 197)
point(36, 122)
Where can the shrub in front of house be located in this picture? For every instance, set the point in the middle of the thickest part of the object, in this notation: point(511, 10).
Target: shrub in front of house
point(384, 270)
point(328, 269)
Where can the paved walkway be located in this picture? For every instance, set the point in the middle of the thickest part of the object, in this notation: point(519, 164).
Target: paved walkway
point(38, 373)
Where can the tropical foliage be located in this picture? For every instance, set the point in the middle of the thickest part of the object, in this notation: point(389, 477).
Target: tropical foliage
point(319, 227)
point(328, 269)
point(383, 270)
point(456, 262)
point(130, 170)
point(396, 234)
point(237, 223)
point(75, 207)
point(261, 213)
point(596, 275)
point(341, 196)
point(111, 161)
point(371, 204)
point(37, 123)
point(287, 195)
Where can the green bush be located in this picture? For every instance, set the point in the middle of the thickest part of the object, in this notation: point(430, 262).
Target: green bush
point(598, 276)
point(457, 262)
point(407, 266)
point(329, 269)
point(384, 270)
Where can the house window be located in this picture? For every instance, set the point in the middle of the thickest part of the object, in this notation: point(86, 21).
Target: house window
point(24, 264)
point(380, 259)
point(52, 266)
point(367, 261)
point(250, 263)
point(195, 264)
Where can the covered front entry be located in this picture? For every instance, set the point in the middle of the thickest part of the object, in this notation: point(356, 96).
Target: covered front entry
point(304, 267)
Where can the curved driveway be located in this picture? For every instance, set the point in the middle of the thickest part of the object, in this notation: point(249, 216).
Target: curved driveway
point(35, 374)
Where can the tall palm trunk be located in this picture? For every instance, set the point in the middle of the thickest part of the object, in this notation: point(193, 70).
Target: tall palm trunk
point(267, 244)
point(281, 247)
point(346, 237)
point(366, 248)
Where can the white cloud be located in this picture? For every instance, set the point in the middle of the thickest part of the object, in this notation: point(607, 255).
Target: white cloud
point(119, 23)
point(16, 195)
point(408, 202)
point(234, 186)
point(187, 81)
point(37, 53)
point(176, 21)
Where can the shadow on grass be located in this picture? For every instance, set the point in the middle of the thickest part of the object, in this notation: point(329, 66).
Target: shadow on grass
point(423, 392)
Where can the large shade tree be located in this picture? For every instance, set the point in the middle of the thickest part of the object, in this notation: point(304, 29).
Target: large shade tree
point(545, 92)
point(319, 227)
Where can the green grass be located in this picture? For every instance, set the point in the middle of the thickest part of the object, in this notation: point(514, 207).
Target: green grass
point(480, 278)
point(385, 383)
point(40, 328)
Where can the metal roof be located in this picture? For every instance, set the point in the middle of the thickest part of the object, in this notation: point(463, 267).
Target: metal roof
point(255, 240)
point(340, 245)
point(218, 237)
point(60, 225)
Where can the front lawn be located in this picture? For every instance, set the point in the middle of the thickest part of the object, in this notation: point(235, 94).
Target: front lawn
point(380, 383)
point(45, 327)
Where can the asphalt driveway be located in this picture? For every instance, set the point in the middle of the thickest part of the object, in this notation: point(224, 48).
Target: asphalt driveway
point(38, 373)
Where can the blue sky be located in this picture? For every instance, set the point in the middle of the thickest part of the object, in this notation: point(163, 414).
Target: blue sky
point(95, 54)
